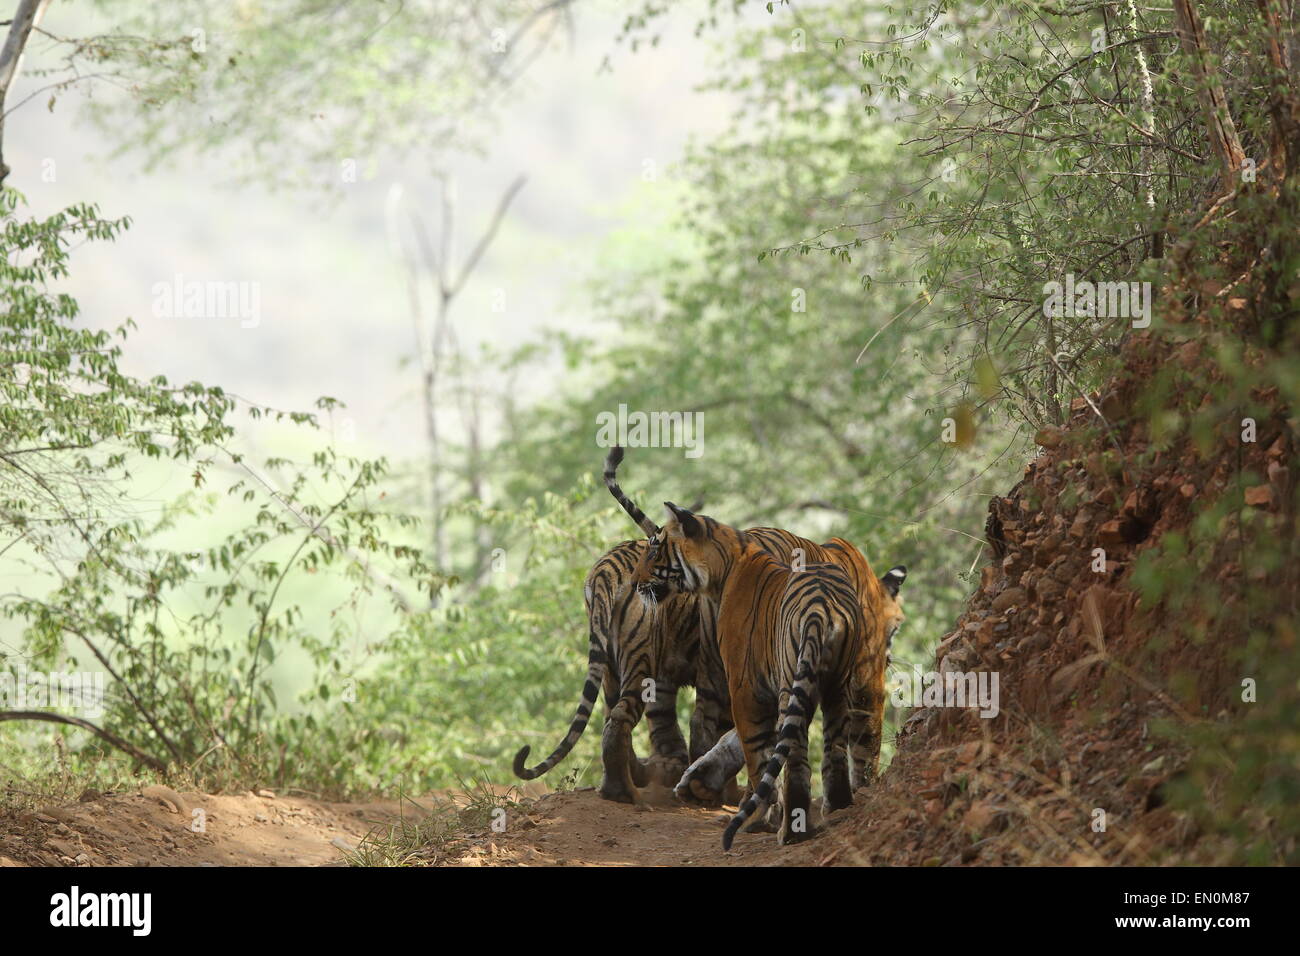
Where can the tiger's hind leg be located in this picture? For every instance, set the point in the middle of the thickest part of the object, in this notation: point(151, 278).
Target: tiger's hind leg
point(837, 785)
point(710, 721)
point(757, 732)
point(622, 769)
point(616, 755)
point(866, 724)
point(710, 779)
point(668, 758)
point(681, 639)
point(796, 821)
point(635, 650)
point(711, 717)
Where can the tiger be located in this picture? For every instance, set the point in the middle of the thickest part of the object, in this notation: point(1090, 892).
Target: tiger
point(628, 643)
point(791, 638)
point(675, 645)
point(626, 638)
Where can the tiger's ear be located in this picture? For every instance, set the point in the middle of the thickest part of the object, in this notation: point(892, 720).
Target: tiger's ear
point(690, 525)
point(893, 579)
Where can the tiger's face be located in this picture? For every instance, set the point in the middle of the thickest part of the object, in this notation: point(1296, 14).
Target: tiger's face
point(891, 615)
point(688, 554)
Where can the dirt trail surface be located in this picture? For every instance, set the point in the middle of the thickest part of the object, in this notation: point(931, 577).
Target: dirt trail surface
point(156, 827)
point(152, 827)
point(578, 828)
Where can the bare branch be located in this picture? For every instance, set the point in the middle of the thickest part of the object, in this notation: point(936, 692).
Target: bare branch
point(99, 732)
point(488, 235)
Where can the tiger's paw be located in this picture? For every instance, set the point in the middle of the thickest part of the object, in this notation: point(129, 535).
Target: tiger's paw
point(702, 788)
point(697, 791)
point(665, 769)
point(706, 780)
point(620, 791)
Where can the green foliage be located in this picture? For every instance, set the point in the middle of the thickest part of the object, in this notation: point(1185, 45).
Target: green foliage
point(186, 634)
point(822, 398)
point(310, 93)
point(462, 686)
point(1226, 583)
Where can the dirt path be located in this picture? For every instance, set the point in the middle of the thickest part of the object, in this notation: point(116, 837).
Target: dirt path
point(160, 827)
point(578, 828)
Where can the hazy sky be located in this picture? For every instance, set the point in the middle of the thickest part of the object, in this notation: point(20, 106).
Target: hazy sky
point(334, 313)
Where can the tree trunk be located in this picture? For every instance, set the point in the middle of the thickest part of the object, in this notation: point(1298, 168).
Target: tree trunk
point(1283, 103)
point(1209, 89)
point(25, 19)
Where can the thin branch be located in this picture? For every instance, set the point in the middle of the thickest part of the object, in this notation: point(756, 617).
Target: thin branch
point(99, 732)
point(486, 239)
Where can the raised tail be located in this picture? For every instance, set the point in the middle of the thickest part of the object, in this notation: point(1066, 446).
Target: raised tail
point(794, 725)
point(612, 461)
point(596, 664)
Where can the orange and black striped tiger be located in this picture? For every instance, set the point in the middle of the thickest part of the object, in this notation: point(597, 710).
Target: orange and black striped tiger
point(673, 644)
point(792, 638)
point(629, 644)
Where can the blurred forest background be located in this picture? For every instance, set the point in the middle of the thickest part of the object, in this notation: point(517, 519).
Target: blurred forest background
point(342, 549)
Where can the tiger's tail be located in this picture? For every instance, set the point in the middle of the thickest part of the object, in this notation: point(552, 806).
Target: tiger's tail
point(794, 725)
point(596, 664)
point(612, 461)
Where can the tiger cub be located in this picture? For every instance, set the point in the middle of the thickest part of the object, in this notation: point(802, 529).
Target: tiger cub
point(791, 639)
point(671, 644)
point(627, 642)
